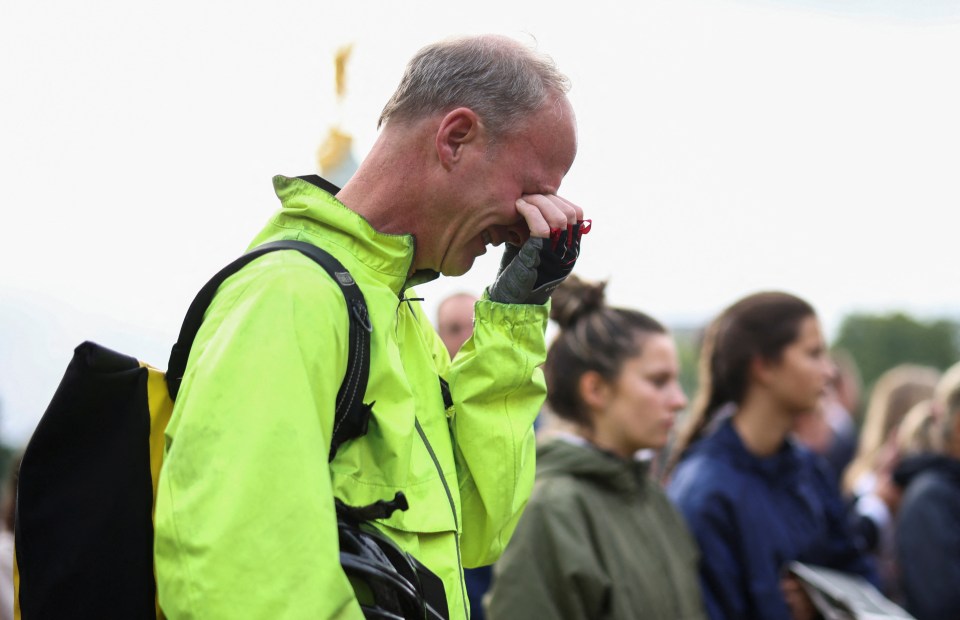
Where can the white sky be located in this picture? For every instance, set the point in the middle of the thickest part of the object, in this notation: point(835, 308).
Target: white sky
point(725, 146)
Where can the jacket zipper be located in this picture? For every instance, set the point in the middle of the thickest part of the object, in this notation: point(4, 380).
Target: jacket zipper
point(453, 509)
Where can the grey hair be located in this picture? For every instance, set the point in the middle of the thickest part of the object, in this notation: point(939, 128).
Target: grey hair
point(498, 78)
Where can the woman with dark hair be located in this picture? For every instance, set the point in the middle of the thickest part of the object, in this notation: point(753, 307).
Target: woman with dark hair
point(753, 498)
point(599, 538)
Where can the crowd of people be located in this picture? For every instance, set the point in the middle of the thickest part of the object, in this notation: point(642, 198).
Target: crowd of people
point(764, 466)
point(770, 466)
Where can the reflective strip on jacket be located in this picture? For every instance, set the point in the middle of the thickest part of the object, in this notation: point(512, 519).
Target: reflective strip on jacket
point(245, 523)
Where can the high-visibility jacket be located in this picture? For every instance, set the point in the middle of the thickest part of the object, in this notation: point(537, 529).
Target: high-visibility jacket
point(245, 522)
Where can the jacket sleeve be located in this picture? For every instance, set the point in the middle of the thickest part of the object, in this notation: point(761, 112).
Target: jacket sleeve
point(549, 570)
point(245, 521)
point(721, 573)
point(498, 388)
point(846, 536)
point(714, 524)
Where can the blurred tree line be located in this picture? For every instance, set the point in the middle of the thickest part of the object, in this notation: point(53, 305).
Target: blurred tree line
point(877, 342)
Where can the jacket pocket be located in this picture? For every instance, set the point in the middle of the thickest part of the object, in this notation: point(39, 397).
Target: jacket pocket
point(433, 500)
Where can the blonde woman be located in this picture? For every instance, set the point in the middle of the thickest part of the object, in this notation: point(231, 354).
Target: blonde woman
point(894, 393)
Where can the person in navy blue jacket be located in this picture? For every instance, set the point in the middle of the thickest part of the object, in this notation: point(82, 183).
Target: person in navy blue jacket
point(928, 523)
point(754, 499)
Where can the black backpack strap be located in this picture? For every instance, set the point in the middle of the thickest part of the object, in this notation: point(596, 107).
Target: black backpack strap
point(351, 415)
point(381, 509)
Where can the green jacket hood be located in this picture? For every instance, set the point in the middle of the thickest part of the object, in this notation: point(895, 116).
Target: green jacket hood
point(568, 456)
point(587, 549)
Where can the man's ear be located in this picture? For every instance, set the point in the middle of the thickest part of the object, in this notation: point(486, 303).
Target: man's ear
point(457, 129)
point(594, 390)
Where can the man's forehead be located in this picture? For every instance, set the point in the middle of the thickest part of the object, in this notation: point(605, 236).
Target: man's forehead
point(554, 136)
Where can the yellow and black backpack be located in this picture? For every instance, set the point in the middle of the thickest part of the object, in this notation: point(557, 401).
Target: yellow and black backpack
point(88, 478)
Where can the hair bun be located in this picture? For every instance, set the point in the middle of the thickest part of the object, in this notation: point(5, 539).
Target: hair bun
point(576, 298)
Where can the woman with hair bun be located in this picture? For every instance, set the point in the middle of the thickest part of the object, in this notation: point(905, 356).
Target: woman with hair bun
point(599, 538)
point(754, 499)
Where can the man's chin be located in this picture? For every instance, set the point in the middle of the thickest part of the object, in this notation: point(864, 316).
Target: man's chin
point(455, 270)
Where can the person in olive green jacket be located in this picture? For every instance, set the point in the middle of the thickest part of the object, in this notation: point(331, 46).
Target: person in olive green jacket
point(599, 538)
point(474, 145)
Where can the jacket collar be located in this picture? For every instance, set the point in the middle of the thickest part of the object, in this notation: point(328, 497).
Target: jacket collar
point(780, 468)
point(318, 214)
point(572, 456)
point(913, 466)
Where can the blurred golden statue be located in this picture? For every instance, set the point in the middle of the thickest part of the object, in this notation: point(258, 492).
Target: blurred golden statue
point(334, 156)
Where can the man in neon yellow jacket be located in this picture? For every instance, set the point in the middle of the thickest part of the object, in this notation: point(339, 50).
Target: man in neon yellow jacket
point(473, 147)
